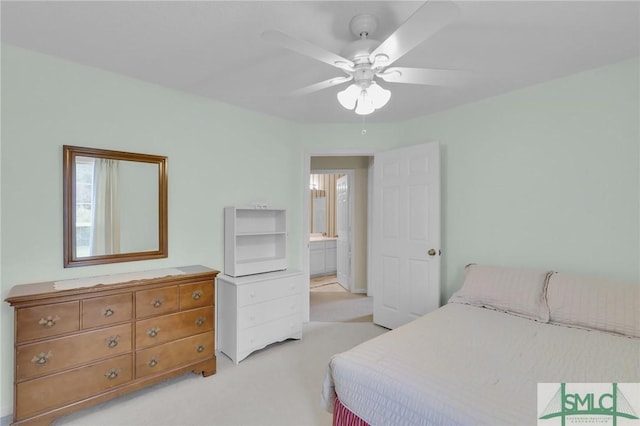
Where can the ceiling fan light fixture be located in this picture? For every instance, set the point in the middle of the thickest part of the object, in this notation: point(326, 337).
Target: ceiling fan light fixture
point(378, 96)
point(349, 96)
point(365, 100)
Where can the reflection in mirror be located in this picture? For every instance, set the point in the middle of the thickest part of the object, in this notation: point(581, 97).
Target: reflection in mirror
point(115, 206)
point(319, 214)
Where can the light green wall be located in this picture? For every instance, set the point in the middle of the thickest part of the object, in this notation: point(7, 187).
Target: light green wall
point(218, 156)
point(547, 176)
point(543, 177)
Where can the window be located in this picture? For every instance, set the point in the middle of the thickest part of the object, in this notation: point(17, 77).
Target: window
point(84, 205)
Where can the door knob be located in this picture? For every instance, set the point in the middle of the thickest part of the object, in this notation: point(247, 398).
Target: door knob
point(431, 252)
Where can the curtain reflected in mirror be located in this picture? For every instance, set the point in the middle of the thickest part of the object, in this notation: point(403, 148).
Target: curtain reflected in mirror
point(319, 214)
point(323, 203)
point(115, 206)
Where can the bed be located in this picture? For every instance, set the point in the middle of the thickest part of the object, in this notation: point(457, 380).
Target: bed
point(479, 358)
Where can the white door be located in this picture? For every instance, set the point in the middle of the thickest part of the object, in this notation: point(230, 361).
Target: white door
point(406, 234)
point(343, 227)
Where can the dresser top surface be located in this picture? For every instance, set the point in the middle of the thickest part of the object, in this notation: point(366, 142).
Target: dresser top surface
point(45, 290)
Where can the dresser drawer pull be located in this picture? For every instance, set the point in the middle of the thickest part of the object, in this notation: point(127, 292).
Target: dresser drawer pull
point(196, 295)
point(200, 348)
point(49, 321)
point(112, 341)
point(41, 358)
point(200, 321)
point(153, 362)
point(112, 374)
point(153, 332)
point(108, 312)
point(158, 302)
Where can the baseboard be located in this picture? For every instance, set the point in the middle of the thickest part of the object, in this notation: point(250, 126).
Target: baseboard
point(359, 291)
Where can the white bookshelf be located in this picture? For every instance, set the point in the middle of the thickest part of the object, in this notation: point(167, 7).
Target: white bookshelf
point(255, 241)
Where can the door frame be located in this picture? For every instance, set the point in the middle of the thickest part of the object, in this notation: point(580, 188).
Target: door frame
point(306, 197)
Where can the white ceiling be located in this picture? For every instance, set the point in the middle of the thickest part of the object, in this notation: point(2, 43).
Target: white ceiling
point(213, 48)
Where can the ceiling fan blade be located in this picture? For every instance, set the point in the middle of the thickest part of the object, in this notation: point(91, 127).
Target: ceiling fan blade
point(426, 21)
point(307, 49)
point(428, 76)
point(322, 85)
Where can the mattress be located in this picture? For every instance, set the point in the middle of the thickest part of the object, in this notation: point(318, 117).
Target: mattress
point(463, 364)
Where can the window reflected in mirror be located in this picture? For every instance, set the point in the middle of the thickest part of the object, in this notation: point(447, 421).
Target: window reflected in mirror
point(115, 206)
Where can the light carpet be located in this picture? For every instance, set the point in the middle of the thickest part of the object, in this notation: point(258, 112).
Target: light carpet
point(322, 280)
point(340, 306)
point(279, 385)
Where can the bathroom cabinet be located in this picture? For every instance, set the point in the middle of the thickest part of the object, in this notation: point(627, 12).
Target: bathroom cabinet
point(322, 257)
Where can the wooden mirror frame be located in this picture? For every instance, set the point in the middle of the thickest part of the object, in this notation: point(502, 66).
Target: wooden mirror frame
point(69, 200)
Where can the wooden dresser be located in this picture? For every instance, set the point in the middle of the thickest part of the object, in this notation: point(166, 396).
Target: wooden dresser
point(79, 347)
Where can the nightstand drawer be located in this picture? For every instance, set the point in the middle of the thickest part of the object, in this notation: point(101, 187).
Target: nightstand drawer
point(260, 313)
point(171, 355)
point(58, 354)
point(38, 395)
point(47, 320)
point(274, 331)
point(156, 301)
point(100, 311)
point(154, 331)
point(263, 291)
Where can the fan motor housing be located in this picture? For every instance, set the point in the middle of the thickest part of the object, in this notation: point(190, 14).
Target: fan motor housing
point(364, 24)
point(359, 50)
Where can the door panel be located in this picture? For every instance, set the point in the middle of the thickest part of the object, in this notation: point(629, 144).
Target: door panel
point(406, 226)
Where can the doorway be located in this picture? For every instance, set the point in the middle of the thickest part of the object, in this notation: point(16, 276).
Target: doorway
point(341, 293)
point(407, 218)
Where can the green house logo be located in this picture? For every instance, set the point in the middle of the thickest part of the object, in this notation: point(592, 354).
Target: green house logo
point(585, 403)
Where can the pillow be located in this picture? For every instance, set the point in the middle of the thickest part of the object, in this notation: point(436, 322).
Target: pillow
point(594, 303)
point(513, 290)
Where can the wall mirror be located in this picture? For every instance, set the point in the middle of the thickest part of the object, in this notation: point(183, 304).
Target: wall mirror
point(114, 206)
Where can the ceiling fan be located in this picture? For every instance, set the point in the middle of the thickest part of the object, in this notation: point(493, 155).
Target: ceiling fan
point(366, 59)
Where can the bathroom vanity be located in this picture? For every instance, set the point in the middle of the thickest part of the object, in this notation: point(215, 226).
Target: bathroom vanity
point(322, 256)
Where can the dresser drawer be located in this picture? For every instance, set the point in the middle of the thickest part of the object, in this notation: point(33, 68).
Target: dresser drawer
point(196, 295)
point(175, 354)
point(260, 313)
point(57, 354)
point(154, 331)
point(274, 331)
point(38, 395)
point(156, 301)
point(47, 320)
point(100, 311)
point(262, 291)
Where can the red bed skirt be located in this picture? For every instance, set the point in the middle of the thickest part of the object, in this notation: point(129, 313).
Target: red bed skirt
point(342, 416)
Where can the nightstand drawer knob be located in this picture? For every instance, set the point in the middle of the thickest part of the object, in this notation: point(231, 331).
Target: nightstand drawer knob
point(153, 362)
point(200, 348)
point(158, 302)
point(200, 321)
point(197, 295)
point(108, 312)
